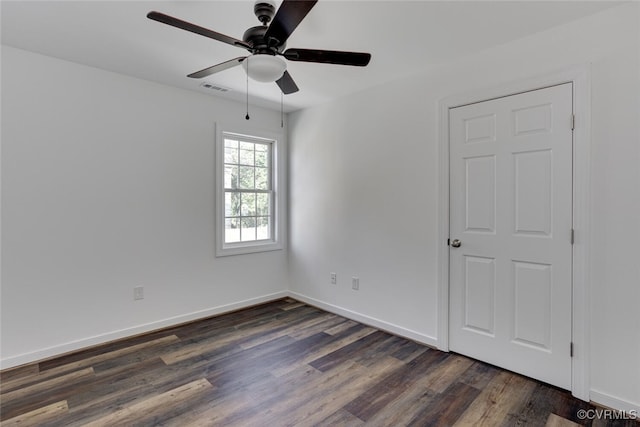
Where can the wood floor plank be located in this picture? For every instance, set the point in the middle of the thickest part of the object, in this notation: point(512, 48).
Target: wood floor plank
point(293, 305)
point(236, 335)
point(430, 400)
point(282, 363)
point(445, 408)
point(543, 401)
point(382, 348)
point(99, 350)
point(110, 391)
point(271, 356)
point(449, 371)
point(320, 398)
point(113, 389)
point(409, 350)
point(312, 329)
point(149, 409)
point(555, 421)
point(291, 330)
point(566, 406)
point(37, 395)
point(48, 384)
point(401, 410)
point(346, 324)
point(92, 360)
point(479, 375)
point(227, 321)
point(320, 404)
point(237, 406)
point(200, 347)
point(389, 387)
point(38, 417)
point(345, 353)
point(341, 340)
point(18, 373)
point(341, 418)
point(505, 391)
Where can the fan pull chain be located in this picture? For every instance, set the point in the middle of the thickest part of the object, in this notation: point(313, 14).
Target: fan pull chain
point(247, 116)
point(281, 109)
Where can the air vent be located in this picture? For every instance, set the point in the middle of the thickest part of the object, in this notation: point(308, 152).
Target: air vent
point(213, 86)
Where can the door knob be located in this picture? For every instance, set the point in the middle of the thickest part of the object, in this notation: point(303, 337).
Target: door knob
point(456, 243)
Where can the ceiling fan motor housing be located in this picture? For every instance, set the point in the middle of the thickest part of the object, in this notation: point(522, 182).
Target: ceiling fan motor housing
point(264, 10)
point(254, 36)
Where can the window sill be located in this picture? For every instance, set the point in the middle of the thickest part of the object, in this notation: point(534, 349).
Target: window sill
point(247, 248)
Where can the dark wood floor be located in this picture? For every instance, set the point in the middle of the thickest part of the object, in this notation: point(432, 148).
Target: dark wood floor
point(279, 364)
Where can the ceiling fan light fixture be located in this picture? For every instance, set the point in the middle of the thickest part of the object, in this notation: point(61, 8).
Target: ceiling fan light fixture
point(264, 67)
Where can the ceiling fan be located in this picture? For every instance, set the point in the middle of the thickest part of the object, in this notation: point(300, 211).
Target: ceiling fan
point(266, 44)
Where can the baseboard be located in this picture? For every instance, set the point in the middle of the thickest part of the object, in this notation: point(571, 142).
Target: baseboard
point(367, 320)
point(603, 399)
point(84, 343)
point(69, 347)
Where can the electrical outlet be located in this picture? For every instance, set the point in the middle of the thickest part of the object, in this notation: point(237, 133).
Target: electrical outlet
point(334, 278)
point(138, 292)
point(355, 283)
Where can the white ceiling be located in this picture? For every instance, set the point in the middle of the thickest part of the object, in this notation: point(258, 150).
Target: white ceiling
point(403, 37)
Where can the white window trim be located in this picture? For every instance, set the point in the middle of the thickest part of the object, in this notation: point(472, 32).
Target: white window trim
point(278, 188)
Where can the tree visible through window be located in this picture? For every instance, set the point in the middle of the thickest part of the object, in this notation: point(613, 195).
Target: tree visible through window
point(248, 195)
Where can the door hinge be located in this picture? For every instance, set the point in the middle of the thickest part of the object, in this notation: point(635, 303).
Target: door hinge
point(573, 121)
point(573, 236)
point(571, 349)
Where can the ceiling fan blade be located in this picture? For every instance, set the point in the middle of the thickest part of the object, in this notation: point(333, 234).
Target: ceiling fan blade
point(286, 84)
point(358, 59)
point(184, 25)
point(217, 68)
point(288, 16)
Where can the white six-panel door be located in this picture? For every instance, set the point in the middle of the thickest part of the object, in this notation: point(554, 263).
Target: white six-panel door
point(511, 212)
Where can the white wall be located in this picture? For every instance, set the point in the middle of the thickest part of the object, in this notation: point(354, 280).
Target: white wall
point(107, 184)
point(364, 190)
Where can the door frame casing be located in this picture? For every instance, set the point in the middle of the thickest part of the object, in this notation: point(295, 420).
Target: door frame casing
point(580, 329)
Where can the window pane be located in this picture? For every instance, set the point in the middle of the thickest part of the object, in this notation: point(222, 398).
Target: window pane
point(248, 231)
point(246, 154)
point(231, 204)
point(262, 178)
point(230, 155)
point(231, 177)
point(262, 204)
point(231, 230)
point(263, 230)
point(248, 204)
point(246, 178)
point(250, 146)
point(261, 156)
point(231, 143)
point(227, 204)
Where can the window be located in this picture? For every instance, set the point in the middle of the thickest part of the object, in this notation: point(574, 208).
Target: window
point(247, 199)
